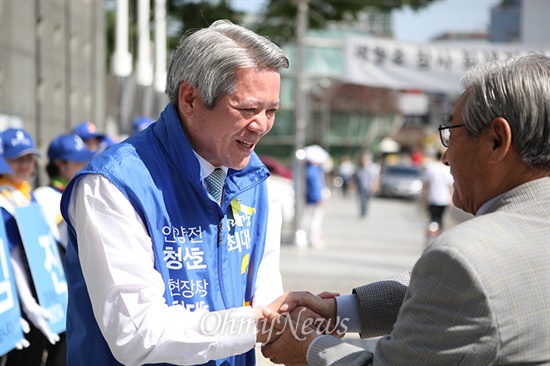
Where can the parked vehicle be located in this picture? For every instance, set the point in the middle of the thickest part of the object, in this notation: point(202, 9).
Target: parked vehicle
point(401, 181)
point(276, 167)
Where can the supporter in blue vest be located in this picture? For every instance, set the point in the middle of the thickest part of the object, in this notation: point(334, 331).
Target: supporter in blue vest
point(140, 123)
point(95, 140)
point(67, 154)
point(161, 268)
point(20, 154)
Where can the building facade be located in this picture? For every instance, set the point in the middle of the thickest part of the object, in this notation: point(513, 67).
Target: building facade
point(52, 66)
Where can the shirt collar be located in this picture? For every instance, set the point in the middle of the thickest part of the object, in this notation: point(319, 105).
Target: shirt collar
point(208, 168)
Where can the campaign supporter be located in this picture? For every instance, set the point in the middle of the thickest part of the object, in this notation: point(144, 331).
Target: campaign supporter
point(166, 262)
point(311, 223)
point(67, 154)
point(141, 123)
point(20, 154)
point(20, 343)
point(95, 140)
point(4, 167)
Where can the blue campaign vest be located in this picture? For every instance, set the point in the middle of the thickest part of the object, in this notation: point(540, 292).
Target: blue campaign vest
point(208, 256)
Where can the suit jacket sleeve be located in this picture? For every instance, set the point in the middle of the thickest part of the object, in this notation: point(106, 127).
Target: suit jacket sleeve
point(379, 303)
point(445, 318)
point(329, 350)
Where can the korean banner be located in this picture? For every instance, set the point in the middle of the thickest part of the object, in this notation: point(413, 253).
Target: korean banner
point(45, 264)
point(434, 68)
point(10, 313)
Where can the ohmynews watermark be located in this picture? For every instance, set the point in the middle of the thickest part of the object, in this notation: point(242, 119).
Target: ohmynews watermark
point(298, 323)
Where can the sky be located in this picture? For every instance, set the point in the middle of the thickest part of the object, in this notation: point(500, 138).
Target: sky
point(440, 17)
point(420, 26)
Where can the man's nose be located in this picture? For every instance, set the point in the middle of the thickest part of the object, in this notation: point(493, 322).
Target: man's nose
point(444, 158)
point(261, 123)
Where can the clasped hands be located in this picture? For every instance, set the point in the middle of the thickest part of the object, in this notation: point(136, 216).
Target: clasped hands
point(287, 326)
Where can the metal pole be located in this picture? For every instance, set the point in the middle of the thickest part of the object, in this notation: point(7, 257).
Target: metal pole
point(68, 67)
point(160, 45)
point(300, 110)
point(144, 67)
point(121, 61)
point(326, 95)
point(39, 82)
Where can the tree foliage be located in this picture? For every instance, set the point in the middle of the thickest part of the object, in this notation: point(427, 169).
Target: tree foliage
point(277, 22)
point(188, 15)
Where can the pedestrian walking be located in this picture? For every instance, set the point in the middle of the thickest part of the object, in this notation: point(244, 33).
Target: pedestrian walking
point(437, 192)
point(346, 170)
point(366, 183)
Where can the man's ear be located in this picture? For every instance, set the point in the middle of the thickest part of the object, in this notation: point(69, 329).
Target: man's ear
point(187, 98)
point(500, 135)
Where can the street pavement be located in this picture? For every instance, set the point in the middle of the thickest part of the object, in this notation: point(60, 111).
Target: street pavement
point(359, 251)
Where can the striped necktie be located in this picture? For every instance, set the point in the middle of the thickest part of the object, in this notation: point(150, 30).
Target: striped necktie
point(214, 183)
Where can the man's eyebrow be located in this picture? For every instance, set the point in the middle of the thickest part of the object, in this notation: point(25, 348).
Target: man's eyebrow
point(254, 103)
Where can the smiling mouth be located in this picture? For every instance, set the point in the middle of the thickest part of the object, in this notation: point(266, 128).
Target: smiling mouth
point(248, 145)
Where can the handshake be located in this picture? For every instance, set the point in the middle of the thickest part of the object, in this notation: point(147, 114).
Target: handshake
point(287, 326)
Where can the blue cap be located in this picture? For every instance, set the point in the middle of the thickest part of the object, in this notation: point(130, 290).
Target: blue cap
point(141, 123)
point(17, 142)
point(87, 130)
point(69, 148)
point(4, 167)
point(108, 141)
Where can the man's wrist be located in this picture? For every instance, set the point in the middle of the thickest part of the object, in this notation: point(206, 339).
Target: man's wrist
point(259, 319)
point(348, 313)
point(264, 330)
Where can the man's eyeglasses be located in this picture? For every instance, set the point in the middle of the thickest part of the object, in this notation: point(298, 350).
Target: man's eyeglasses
point(445, 133)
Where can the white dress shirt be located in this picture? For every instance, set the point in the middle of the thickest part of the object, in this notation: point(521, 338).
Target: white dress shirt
point(127, 292)
point(348, 313)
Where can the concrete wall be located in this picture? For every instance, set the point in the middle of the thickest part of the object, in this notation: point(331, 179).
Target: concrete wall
point(52, 66)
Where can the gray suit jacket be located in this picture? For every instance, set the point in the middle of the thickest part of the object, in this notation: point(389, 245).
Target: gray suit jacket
point(479, 295)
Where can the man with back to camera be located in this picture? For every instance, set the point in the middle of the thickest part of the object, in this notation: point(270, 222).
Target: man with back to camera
point(162, 268)
point(480, 294)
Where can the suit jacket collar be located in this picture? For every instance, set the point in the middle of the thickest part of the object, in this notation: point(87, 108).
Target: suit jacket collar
point(537, 190)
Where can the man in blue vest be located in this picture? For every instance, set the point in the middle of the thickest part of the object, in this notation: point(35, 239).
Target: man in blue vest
point(161, 267)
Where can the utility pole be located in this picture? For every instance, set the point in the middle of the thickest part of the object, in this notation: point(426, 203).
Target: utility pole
point(300, 111)
point(144, 66)
point(121, 61)
point(160, 45)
